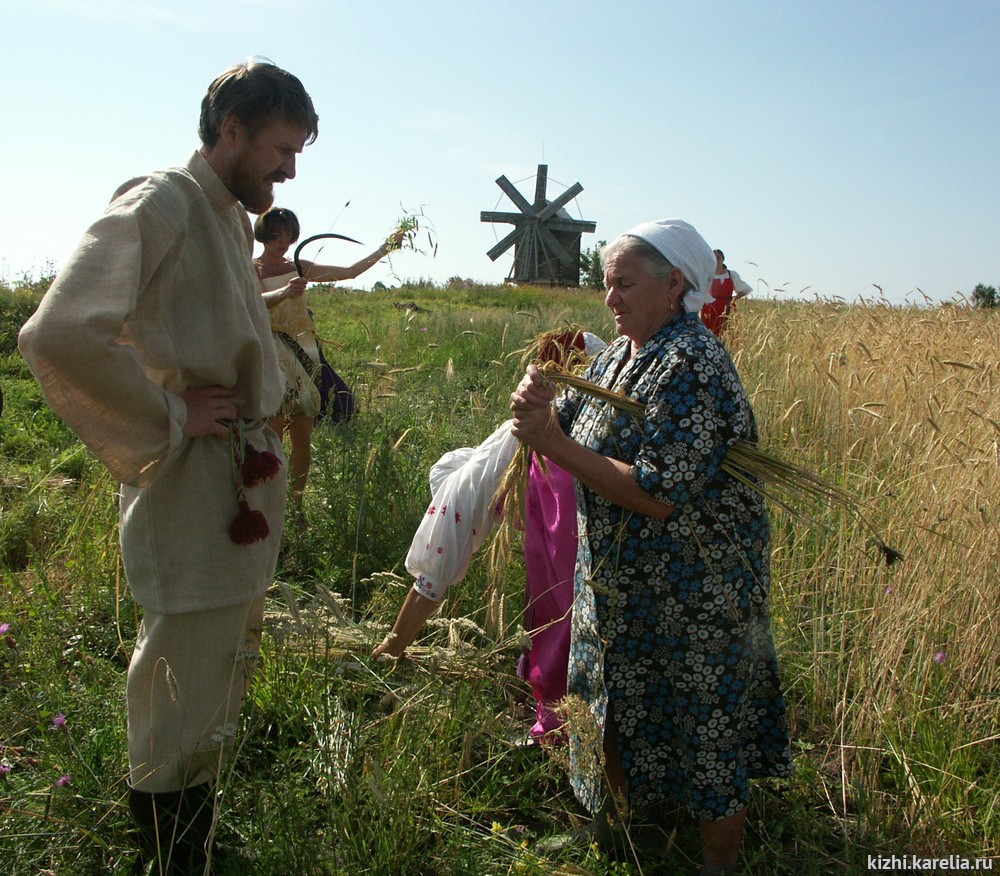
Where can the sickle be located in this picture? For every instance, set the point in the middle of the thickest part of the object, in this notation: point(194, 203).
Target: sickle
point(298, 249)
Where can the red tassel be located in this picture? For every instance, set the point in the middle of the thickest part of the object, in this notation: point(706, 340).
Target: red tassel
point(249, 525)
point(259, 466)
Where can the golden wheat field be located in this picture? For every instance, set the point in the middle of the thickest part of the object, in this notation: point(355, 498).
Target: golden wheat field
point(902, 408)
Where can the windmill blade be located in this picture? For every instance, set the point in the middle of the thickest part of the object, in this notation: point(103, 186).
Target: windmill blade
point(560, 202)
point(505, 244)
point(550, 243)
point(526, 256)
point(541, 182)
point(496, 216)
point(508, 189)
point(575, 226)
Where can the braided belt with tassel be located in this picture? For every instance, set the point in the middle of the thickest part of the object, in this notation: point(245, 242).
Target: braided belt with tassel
point(250, 467)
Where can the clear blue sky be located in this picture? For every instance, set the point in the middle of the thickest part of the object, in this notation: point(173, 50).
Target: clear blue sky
point(830, 145)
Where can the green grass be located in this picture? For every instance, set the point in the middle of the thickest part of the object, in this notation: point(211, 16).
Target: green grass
point(350, 766)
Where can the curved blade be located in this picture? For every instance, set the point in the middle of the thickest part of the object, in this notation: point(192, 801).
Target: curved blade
point(330, 234)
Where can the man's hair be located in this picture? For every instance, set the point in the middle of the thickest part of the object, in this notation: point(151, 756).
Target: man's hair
point(270, 222)
point(255, 91)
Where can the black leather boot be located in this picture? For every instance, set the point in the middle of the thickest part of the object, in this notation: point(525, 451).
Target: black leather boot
point(174, 829)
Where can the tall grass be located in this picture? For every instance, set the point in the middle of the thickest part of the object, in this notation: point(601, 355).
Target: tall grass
point(348, 765)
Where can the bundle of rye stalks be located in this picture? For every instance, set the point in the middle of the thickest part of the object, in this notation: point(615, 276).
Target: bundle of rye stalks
point(561, 348)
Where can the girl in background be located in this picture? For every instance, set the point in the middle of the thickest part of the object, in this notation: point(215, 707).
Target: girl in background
point(294, 333)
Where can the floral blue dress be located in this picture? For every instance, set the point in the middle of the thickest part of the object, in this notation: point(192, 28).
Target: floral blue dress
point(671, 619)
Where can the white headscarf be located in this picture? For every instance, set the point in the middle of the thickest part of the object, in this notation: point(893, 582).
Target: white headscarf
point(681, 245)
point(592, 345)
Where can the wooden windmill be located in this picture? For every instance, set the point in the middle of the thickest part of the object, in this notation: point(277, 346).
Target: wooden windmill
point(546, 238)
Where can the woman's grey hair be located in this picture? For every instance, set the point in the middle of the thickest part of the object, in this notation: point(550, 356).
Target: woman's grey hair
point(656, 263)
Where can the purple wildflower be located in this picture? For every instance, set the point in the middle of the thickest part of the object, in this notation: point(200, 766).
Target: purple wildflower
point(4, 627)
point(63, 780)
point(940, 657)
point(59, 722)
point(4, 769)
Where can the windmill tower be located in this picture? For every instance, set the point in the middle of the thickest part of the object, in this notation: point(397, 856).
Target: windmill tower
point(546, 238)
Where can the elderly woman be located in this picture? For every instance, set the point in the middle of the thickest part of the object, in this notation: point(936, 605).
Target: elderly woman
point(671, 644)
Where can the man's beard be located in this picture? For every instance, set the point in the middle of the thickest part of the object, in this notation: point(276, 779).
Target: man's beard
point(256, 195)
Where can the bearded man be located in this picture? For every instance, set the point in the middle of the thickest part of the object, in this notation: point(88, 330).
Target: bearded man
point(153, 344)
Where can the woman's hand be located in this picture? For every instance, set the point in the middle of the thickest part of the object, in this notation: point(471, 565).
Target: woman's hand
point(394, 241)
point(415, 610)
point(535, 422)
point(389, 647)
point(293, 288)
point(534, 390)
